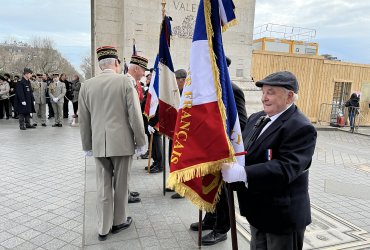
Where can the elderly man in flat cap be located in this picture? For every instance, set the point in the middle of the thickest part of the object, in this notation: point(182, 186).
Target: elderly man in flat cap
point(112, 131)
point(24, 100)
point(273, 186)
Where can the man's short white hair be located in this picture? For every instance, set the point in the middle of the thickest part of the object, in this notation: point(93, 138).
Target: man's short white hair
point(106, 62)
point(295, 95)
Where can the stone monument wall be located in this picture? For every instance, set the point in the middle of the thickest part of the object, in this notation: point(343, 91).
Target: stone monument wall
point(119, 22)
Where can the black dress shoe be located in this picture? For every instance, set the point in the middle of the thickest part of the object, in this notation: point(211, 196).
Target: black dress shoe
point(60, 125)
point(102, 237)
point(132, 199)
point(35, 124)
point(213, 238)
point(30, 126)
point(176, 196)
point(43, 124)
point(154, 164)
point(134, 194)
point(155, 170)
point(169, 190)
point(145, 156)
point(55, 125)
point(22, 128)
point(195, 226)
point(123, 226)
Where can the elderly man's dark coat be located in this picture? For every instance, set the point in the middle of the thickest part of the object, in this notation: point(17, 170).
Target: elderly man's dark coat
point(277, 199)
point(23, 93)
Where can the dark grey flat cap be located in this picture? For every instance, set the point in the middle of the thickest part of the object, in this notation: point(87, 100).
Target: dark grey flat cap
point(27, 70)
point(180, 73)
point(282, 78)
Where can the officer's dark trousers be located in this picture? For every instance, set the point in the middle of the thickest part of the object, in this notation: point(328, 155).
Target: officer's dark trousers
point(220, 219)
point(4, 104)
point(51, 110)
point(65, 108)
point(157, 150)
point(24, 119)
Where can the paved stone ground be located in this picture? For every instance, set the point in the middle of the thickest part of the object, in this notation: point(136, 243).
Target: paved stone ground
point(47, 197)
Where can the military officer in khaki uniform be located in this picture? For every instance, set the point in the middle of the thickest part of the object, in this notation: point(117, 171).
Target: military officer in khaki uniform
point(111, 129)
point(39, 89)
point(57, 91)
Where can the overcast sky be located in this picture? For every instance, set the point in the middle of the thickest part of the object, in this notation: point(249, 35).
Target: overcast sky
point(342, 26)
point(65, 22)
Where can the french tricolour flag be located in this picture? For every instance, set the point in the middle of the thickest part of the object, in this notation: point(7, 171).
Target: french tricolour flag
point(207, 130)
point(163, 95)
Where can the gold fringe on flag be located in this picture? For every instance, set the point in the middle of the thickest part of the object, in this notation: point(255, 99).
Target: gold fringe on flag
point(229, 25)
point(183, 190)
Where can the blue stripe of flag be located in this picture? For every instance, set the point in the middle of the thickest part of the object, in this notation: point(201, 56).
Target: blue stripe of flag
point(164, 42)
point(227, 92)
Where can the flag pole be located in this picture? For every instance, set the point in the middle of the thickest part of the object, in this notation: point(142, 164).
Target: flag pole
point(150, 151)
point(234, 239)
point(164, 165)
point(200, 224)
point(164, 137)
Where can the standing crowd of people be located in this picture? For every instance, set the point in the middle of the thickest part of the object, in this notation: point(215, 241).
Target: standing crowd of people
point(26, 98)
point(272, 187)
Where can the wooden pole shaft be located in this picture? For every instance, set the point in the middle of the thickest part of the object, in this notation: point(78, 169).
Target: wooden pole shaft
point(150, 152)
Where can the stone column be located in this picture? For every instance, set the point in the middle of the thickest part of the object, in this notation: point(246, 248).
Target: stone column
point(107, 24)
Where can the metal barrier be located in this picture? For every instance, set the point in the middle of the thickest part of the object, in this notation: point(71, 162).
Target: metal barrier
point(337, 115)
point(329, 114)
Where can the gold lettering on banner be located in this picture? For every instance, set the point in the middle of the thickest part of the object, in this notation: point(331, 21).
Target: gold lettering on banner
point(188, 95)
point(187, 104)
point(181, 136)
point(212, 185)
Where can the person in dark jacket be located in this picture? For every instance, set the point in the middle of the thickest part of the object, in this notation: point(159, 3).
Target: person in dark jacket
point(352, 104)
point(68, 96)
point(24, 100)
point(273, 186)
point(157, 156)
point(12, 85)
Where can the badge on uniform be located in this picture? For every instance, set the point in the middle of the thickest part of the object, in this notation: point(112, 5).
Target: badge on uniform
point(269, 154)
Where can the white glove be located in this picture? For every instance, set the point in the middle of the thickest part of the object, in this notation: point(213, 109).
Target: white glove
point(24, 103)
point(233, 172)
point(88, 153)
point(140, 150)
point(151, 130)
point(55, 99)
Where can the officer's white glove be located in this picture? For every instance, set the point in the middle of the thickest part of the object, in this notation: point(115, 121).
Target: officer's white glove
point(55, 99)
point(151, 130)
point(233, 172)
point(24, 103)
point(88, 153)
point(140, 150)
